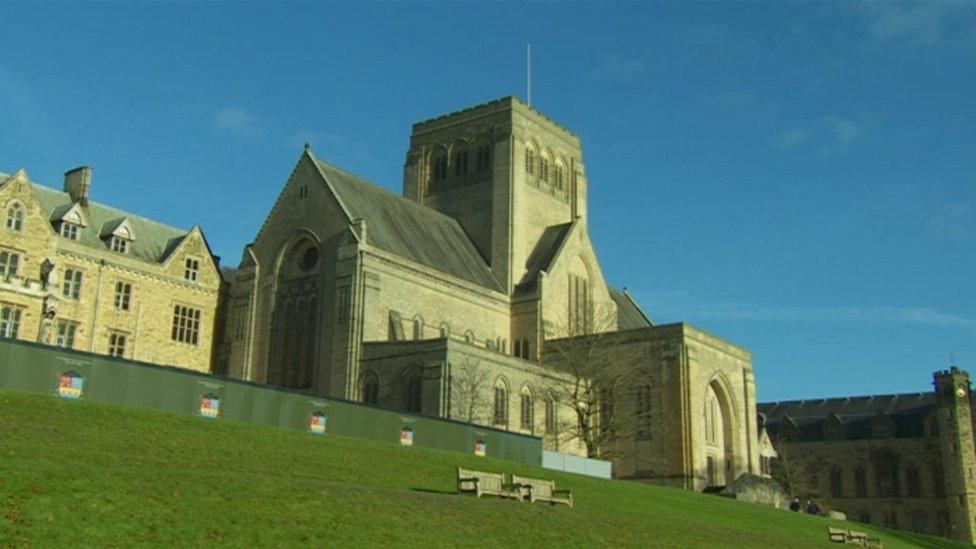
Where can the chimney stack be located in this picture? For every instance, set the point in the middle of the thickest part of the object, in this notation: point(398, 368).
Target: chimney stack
point(77, 183)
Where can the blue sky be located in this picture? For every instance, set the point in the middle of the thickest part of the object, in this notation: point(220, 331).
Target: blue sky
point(799, 178)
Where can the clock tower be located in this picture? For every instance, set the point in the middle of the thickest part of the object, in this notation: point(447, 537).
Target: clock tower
point(958, 454)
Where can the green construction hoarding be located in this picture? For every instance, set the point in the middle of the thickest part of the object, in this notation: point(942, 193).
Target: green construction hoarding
point(71, 374)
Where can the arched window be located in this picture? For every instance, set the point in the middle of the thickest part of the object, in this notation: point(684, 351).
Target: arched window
point(445, 330)
point(415, 392)
point(500, 415)
point(438, 164)
point(551, 421)
point(559, 174)
point(469, 336)
point(461, 159)
point(371, 389)
point(544, 167)
point(418, 328)
point(15, 217)
point(529, 160)
point(836, 482)
point(484, 158)
point(527, 411)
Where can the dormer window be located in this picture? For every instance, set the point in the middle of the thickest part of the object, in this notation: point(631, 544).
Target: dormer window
point(120, 245)
point(192, 272)
point(69, 230)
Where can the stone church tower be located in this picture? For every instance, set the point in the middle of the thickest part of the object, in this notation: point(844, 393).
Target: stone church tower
point(444, 300)
point(955, 417)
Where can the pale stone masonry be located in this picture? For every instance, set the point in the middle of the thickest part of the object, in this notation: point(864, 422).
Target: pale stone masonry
point(903, 461)
point(486, 261)
point(94, 278)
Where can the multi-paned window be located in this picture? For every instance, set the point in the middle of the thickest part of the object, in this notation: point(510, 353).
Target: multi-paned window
point(186, 324)
point(116, 344)
point(440, 168)
point(66, 334)
point(120, 245)
point(500, 415)
point(15, 218)
point(10, 321)
point(550, 415)
point(527, 410)
point(72, 284)
point(483, 160)
point(123, 296)
point(529, 161)
point(559, 176)
point(461, 162)
point(9, 264)
point(69, 230)
point(192, 272)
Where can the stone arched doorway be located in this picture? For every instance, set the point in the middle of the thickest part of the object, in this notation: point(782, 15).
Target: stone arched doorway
point(719, 436)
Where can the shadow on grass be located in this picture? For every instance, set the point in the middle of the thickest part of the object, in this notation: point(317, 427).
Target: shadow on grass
point(439, 492)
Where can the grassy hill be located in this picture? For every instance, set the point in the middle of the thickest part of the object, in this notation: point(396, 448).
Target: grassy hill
point(94, 474)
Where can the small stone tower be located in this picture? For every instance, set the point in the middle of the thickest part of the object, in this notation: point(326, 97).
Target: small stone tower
point(958, 453)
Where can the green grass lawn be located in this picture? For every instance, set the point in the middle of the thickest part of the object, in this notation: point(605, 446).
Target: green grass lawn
point(94, 474)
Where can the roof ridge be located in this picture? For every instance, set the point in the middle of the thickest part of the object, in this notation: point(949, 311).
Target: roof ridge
point(111, 209)
point(381, 188)
point(842, 398)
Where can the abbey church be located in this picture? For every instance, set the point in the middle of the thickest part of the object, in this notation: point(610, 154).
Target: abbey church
point(446, 300)
point(475, 296)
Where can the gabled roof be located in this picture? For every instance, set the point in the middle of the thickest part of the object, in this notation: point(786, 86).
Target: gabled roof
point(156, 240)
point(408, 229)
point(545, 250)
point(630, 316)
point(907, 412)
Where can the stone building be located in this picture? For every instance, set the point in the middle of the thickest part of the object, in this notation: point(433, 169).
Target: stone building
point(82, 275)
point(902, 461)
point(445, 300)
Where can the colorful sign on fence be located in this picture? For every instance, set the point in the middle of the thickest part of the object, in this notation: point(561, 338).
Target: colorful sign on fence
point(71, 385)
point(480, 448)
point(210, 406)
point(318, 423)
point(406, 436)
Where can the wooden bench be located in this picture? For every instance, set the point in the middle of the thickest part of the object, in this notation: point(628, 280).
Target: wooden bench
point(481, 483)
point(542, 490)
point(851, 537)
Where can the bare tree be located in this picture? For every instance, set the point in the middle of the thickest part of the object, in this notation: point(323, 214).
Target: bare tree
point(595, 376)
point(469, 388)
point(790, 471)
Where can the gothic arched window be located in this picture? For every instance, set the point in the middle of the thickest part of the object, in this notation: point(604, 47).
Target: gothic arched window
point(371, 389)
point(461, 159)
point(415, 392)
point(15, 217)
point(529, 160)
point(544, 167)
point(527, 414)
point(500, 416)
point(418, 328)
point(559, 176)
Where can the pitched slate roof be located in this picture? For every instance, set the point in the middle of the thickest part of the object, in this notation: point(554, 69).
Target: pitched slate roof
point(545, 250)
point(153, 242)
point(857, 414)
point(629, 314)
point(408, 229)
